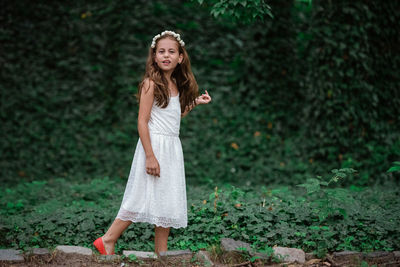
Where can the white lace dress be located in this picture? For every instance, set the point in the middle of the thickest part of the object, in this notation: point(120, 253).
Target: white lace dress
point(158, 200)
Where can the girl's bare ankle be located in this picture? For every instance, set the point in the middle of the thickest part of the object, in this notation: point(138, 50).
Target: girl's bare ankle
point(108, 240)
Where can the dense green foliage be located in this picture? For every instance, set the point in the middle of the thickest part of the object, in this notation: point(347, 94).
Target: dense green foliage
point(239, 11)
point(58, 211)
point(312, 89)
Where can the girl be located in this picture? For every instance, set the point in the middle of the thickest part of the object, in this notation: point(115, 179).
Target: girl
point(156, 190)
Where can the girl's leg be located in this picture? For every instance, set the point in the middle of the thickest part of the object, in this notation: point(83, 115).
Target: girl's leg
point(161, 239)
point(113, 233)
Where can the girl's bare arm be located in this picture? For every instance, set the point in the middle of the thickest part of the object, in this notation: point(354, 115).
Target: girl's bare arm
point(203, 99)
point(146, 103)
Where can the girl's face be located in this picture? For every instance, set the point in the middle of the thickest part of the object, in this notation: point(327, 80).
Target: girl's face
point(167, 54)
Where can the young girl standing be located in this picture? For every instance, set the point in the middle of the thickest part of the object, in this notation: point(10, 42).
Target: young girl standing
point(156, 189)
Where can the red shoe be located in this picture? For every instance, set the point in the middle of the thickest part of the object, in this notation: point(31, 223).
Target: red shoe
point(98, 243)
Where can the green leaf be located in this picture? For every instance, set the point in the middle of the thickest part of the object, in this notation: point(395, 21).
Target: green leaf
point(394, 169)
point(312, 185)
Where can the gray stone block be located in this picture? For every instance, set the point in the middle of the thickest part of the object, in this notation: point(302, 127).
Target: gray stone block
point(75, 249)
point(290, 254)
point(174, 253)
point(175, 257)
point(230, 245)
point(378, 257)
point(347, 257)
point(11, 255)
point(141, 255)
point(204, 258)
point(38, 251)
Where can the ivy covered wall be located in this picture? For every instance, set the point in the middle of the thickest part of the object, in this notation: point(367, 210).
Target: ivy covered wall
point(314, 88)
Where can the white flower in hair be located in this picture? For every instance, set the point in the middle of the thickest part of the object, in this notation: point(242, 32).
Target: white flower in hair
point(174, 34)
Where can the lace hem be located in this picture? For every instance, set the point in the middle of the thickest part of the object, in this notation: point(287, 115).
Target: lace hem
point(158, 221)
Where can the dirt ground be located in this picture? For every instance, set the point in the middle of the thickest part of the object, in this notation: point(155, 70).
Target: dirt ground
point(75, 260)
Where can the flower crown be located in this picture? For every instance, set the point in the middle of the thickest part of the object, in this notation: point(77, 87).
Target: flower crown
point(174, 34)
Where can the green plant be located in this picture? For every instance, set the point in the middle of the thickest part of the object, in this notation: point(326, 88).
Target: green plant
point(329, 202)
point(365, 264)
point(269, 253)
point(395, 167)
point(135, 259)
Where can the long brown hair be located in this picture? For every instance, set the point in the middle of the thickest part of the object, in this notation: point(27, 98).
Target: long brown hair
point(183, 75)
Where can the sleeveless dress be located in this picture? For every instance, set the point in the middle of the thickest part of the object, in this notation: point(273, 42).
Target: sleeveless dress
point(158, 200)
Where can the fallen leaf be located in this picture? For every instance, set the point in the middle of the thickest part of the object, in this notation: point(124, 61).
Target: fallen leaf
point(235, 146)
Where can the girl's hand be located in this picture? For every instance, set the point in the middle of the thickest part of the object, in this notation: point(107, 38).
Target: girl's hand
point(152, 166)
point(204, 98)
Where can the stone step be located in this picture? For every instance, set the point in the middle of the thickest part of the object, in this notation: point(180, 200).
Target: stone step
point(290, 254)
point(141, 255)
point(287, 255)
point(11, 255)
point(74, 249)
